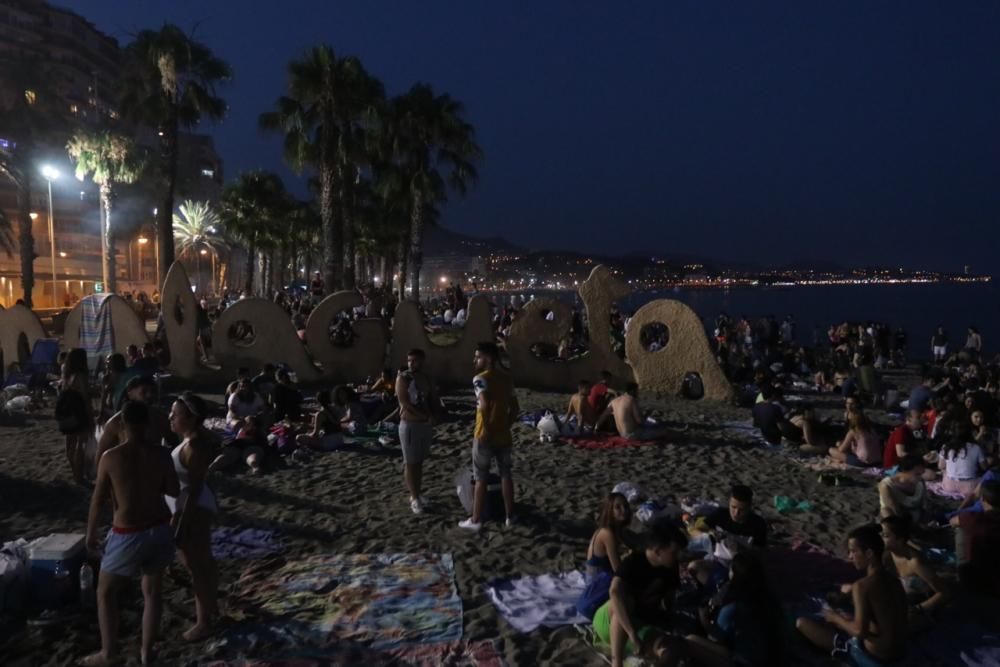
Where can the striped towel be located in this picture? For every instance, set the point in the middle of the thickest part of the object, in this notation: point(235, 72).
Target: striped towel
point(96, 336)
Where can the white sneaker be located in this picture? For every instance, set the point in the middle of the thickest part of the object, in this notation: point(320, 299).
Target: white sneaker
point(416, 506)
point(469, 524)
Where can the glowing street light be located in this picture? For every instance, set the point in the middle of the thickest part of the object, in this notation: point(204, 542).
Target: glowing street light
point(141, 241)
point(51, 173)
point(33, 215)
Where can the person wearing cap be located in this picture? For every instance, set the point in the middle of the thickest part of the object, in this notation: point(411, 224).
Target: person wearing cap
point(140, 389)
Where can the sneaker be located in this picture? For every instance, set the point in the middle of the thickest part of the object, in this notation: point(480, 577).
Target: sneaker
point(469, 524)
point(416, 506)
point(511, 520)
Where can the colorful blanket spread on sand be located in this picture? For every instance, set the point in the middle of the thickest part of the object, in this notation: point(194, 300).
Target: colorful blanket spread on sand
point(379, 601)
point(543, 600)
point(600, 441)
point(450, 654)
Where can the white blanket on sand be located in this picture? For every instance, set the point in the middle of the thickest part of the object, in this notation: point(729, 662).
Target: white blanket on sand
point(542, 600)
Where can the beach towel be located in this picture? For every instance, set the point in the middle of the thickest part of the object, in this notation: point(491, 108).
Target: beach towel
point(235, 543)
point(96, 336)
point(604, 441)
point(547, 600)
point(803, 569)
point(380, 601)
point(452, 654)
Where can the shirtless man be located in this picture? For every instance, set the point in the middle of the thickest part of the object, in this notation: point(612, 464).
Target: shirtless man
point(877, 633)
point(924, 589)
point(140, 389)
point(579, 407)
point(417, 401)
point(134, 477)
point(629, 421)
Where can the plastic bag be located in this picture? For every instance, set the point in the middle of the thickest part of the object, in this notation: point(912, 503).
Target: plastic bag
point(18, 404)
point(547, 425)
point(632, 493)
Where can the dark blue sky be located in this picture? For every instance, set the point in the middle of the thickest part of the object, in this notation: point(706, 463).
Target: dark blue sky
point(857, 132)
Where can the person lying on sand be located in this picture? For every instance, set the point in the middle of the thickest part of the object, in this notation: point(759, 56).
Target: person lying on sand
point(579, 407)
point(877, 632)
point(136, 477)
point(140, 389)
point(642, 593)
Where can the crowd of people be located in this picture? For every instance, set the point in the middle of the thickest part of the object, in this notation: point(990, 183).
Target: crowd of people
point(949, 434)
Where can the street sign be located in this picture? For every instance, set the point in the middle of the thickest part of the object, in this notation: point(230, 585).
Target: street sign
point(98, 288)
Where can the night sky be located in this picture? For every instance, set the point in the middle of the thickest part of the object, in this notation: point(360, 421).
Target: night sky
point(854, 132)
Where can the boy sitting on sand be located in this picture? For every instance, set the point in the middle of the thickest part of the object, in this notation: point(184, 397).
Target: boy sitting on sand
point(904, 494)
point(877, 632)
point(641, 595)
point(579, 407)
point(629, 421)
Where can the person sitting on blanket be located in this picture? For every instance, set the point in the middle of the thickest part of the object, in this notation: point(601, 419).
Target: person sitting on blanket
point(862, 446)
point(903, 440)
point(140, 389)
point(243, 403)
point(242, 373)
point(628, 418)
point(877, 633)
point(347, 401)
point(286, 399)
point(962, 463)
point(579, 407)
point(602, 553)
point(977, 544)
point(742, 528)
point(601, 393)
point(642, 593)
point(744, 623)
point(926, 592)
point(769, 415)
point(812, 442)
point(904, 494)
point(326, 434)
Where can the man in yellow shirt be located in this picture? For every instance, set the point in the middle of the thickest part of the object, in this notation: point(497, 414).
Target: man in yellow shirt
point(496, 411)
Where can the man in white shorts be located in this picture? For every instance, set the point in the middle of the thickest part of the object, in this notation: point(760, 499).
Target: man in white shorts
point(417, 403)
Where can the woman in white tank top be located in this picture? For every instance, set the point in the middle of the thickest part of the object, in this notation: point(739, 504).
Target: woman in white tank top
point(195, 508)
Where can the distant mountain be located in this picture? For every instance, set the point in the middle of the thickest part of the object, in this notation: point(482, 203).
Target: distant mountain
point(443, 242)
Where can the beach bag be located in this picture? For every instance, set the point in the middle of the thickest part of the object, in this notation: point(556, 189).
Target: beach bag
point(548, 428)
point(71, 411)
point(596, 593)
point(692, 387)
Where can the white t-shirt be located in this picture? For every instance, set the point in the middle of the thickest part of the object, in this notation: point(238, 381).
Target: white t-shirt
point(240, 409)
point(964, 464)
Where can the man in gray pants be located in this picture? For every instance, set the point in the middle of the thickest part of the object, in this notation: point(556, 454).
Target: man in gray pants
point(417, 404)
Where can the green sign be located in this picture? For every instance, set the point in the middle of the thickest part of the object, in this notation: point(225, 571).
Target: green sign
point(98, 288)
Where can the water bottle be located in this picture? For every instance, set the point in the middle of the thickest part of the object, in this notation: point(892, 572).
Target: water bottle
point(86, 585)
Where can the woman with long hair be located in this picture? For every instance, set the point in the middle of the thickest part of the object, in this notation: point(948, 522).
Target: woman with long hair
point(603, 559)
point(74, 410)
point(962, 463)
point(862, 445)
point(195, 508)
point(746, 628)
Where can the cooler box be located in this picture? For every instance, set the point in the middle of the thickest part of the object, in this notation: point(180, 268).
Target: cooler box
point(55, 563)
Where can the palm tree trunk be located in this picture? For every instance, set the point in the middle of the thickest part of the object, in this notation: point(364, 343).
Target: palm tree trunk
point(108, 240)
point(416, 243)
point(333, 239)
point(404, 250)
point(165, 211)
point(251, 258)
point(348, 226)
point(26, 239)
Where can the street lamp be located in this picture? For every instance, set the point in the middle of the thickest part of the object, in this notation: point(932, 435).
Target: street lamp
point(50, 174)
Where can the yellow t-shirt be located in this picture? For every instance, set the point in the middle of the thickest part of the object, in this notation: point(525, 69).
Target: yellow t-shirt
point(496, 422)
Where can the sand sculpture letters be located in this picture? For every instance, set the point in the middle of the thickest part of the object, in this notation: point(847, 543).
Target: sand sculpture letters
point(252, 332)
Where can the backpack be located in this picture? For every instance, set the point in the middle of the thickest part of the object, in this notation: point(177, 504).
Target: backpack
point(692, 387)
point(71, 411)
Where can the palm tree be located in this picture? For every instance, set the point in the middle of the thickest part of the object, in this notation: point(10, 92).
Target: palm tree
point(322, 120)
point(30, 111)
point(111, 159)
point(6, 235)
point(429, 135)
point(196, 233)
point(249, 209)
point(170, 82)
